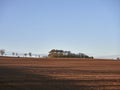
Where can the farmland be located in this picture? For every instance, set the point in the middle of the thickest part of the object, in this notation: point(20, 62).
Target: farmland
point(59, 74)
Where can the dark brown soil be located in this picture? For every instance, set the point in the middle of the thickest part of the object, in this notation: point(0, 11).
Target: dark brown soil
point(59, 74)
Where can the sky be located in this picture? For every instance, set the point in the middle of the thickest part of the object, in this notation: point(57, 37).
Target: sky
point(88, 26)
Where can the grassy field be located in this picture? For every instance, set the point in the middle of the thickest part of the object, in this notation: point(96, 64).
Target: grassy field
point(59, 74)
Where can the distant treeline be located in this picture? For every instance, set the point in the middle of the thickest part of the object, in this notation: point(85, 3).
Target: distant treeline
point(54, 53)
point(15, 54)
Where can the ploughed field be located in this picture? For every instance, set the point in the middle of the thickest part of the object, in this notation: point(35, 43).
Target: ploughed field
point(59, 74)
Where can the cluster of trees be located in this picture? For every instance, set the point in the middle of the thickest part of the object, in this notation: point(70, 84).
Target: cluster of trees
point(66, 54)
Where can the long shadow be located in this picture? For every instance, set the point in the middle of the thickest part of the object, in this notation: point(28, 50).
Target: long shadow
point(12, 78)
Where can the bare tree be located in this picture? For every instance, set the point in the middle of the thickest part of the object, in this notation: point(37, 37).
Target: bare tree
point(30, 54)
point(39, 56)
point(118, 58)
point(2, 52)
point(16, 54)
point(25, 54)
point(13, 53)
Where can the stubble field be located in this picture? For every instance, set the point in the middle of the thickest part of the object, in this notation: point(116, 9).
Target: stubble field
point(59, 74)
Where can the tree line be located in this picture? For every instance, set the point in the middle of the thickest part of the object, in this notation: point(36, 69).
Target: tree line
point(54, 53)
point(3, 53)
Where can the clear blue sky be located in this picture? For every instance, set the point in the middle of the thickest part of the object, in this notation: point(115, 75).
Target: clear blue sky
point(88, 26)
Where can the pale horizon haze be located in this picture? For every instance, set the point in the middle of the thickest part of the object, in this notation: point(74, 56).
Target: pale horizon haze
point(87, 26)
